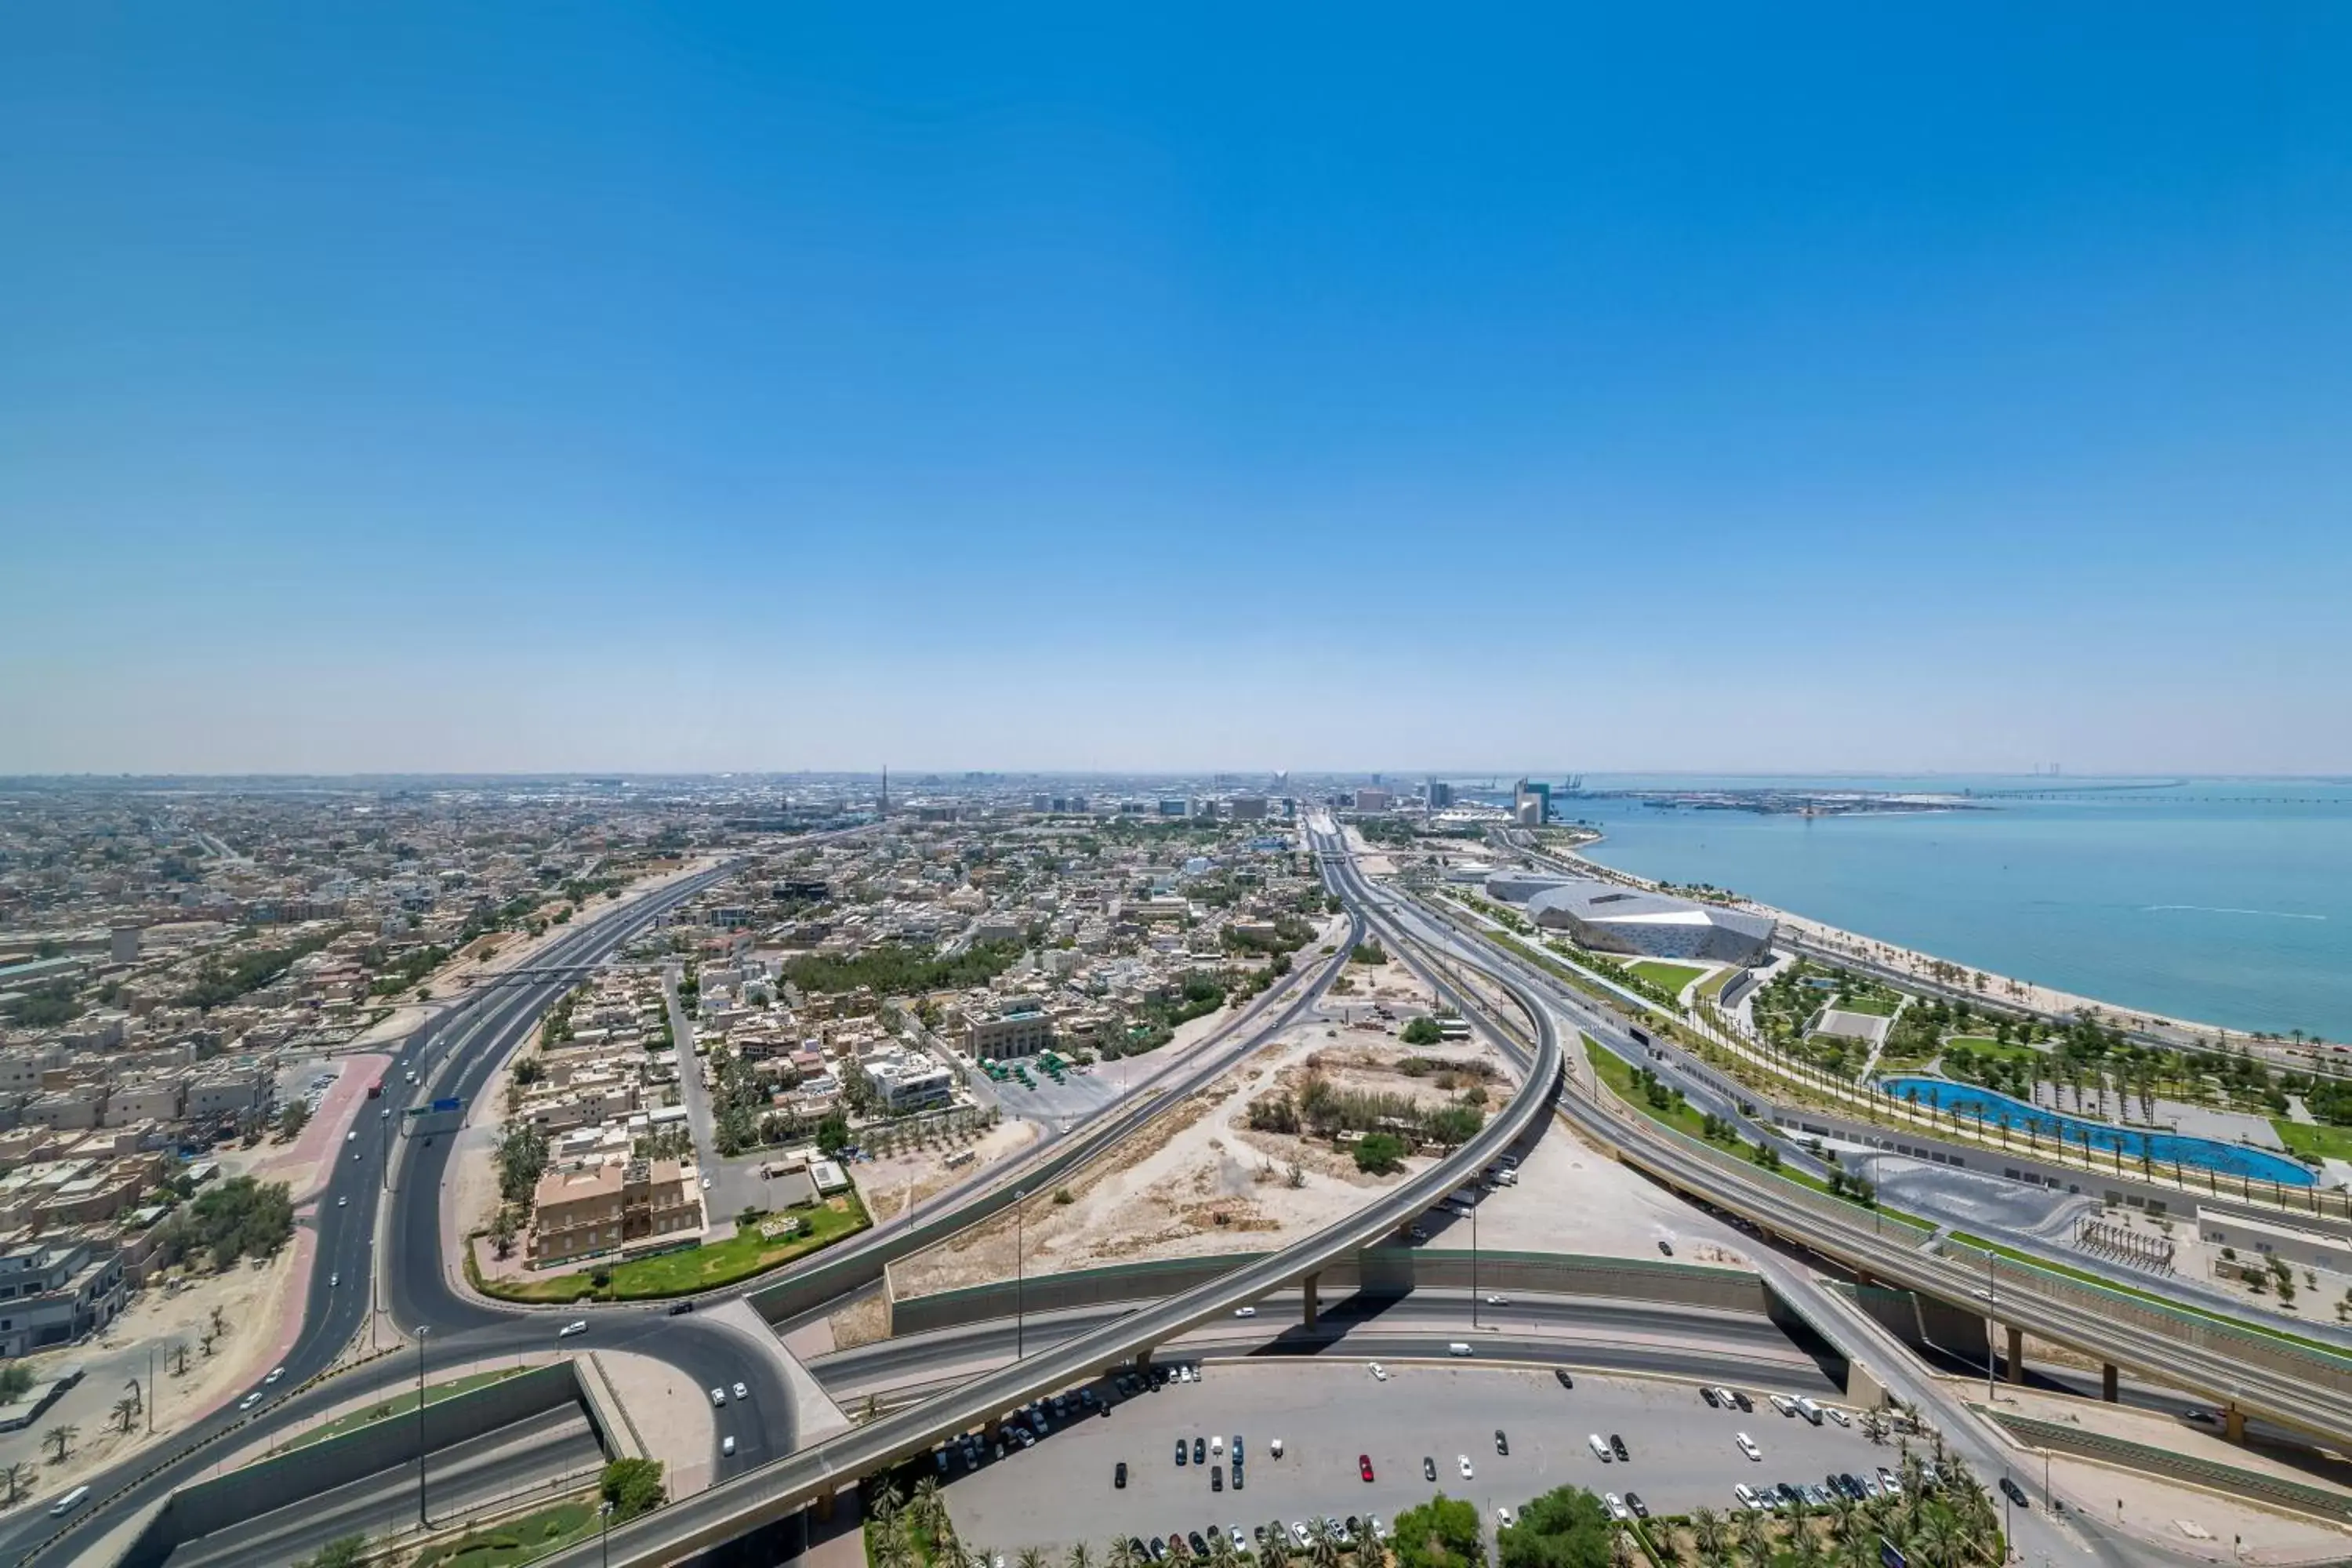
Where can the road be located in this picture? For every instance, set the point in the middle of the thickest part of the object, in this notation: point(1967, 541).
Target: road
point(465, 1477)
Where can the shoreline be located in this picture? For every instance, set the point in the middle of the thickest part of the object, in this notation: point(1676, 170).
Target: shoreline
point(1999, 990)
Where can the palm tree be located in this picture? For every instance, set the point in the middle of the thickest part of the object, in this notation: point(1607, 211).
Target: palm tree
point(1622, 1552)
point(888, 1500)
point(1843, 1511)
point(61, 1438)
point(126, 1412)
point(924, 1511)
point(1030, 1557)
point(1756, 1545)
point(980, 1557)
point(1709, 1534)
point(1120, 1554)
point(1275, 1552)
point(1221, 1550)
point(890, 1550)
point(14, 1473)
point(1080, 1556)
point(1940, 1543)
point(178, 1353)
point(1322, 1545)
point(138, 1396)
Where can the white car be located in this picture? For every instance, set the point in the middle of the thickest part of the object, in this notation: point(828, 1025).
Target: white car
point(1184, 1374)
point(1617, 1508)
point(706, 1184)
point(1747, 1446)
point(384, 1115)
point(1298, 1531)
point(343, 1203)
point(1463, 1460)
point(275, 1373)
point(1834, 1414)
point(1747, 1498)
point(249, 1401)
point(1217, 1445)
point(1503, 1515)
point(1245, 1311)
point(576, 1326)
point(352, 1136)
point(1274, 1448)
point(726, 1445)
point(1498, 1301)
point(717, 1397)
point(1600, 1450)
point(1380, 1373)
point(1784, 1404)
point(741, 1392)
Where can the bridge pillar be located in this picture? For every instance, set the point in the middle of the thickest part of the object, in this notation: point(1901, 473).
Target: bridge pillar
point(1143, 1360)
point(1308, 1287)
point(2108, 1382)
point(2234, 1424)
point(824, 1506)
point(2016, 1354)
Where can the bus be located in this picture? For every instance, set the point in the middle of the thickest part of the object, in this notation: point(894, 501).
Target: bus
point(71, 1502)
point(375, 1089)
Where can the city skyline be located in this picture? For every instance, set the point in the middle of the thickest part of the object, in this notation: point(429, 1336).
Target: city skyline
point(732, 390)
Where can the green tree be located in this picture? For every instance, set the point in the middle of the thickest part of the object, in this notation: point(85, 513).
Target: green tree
point(16, 1382)
point(521, 1157)
point(1568, 1527)
point(1379, 1153)
point(1422, 1031)
point(633, 1487)
point(292, 1119)
point(1441, 1533)
point(832, 1134)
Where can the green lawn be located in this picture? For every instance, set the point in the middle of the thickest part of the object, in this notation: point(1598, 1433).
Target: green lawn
point(401, 1405)
point(1876, 1005)
point(1713, 985)
point(1617, 1075)
point(704, 1268)
point(2320, 1142)
point(504, 1545)
point(1669, 977)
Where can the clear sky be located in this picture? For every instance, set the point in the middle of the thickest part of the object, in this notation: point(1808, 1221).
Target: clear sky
point(465, 386)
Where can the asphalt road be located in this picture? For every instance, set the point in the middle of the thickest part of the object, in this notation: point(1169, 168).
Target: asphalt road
point(461, 1477)
point(1328, 1414)
point(1575, 1331)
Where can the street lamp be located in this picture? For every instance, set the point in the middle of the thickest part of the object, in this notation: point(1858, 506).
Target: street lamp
point(422, 1522)
point(1020, 1289)
point(606, 1510)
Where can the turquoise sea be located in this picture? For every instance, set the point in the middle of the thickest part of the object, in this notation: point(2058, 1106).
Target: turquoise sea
point(2221, 901)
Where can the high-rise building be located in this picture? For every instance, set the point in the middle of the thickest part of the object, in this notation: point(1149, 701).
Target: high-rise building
point(1441, 794)
point(1372, 800)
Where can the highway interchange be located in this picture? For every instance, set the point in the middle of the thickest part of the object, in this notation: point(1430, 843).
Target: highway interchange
point(768, 1480)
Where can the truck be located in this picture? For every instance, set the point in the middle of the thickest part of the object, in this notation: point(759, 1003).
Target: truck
point(375, 1089)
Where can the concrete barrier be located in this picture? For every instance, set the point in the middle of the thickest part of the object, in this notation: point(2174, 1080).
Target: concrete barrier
point(2230, 1480)
point(286, 1477)
point(1375, 1271)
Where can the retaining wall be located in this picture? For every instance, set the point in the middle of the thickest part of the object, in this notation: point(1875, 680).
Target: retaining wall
point(273, 1483)
point(2230, 1480)
point(1375, 1271)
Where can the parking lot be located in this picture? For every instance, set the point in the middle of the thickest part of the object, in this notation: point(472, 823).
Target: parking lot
point(1081, 1093)
point(1682, 1452)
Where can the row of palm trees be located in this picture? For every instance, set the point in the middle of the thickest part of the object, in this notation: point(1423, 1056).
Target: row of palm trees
point(899, 1518)
point(1953, 1526)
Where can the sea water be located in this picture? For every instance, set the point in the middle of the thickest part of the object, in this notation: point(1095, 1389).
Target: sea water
point(2222, 902)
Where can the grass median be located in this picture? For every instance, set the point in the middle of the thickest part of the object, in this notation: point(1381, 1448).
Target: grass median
point(534, 1535)
point(399, 1404)
point(744, 1256)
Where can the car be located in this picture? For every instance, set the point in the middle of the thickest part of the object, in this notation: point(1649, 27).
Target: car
point(1462, 1463)
point(1380, 1373)
point(1418, 1232)
point(1617, 1508)
point(1624, 1455)
point(352, 1136)
point(1784, 1404)
point(1159, 1550)
point(1135, 1544)
point(1502, 1444)
point(1200, 1450)
point(1216, 1478)
point(1241, 1542)
point(741, 1392)
point(1183, 1452)
point(1836, 1414)
point(384, 1115)
point(706, 1184)
point(1714, 1400)
point(1245, 1311)
point(1746, 1445)
point(355, 1156)
point(1503, 1515)
point(2014, 1493)
point(1257, 1533)
point(1633, 1502)
point(1498, 1301)
point(249, 1401)
point(726, 1445)
point(1600, 1449)
point(717, 1397)
point(2202, 1417)
point(1373, 1529)
point(1184, 1374)
point(1299, 1531)
point(333, 1281)
point(1428, 1468)
point(680, 1309)
point(1667, 1247)
point(1787, 1493)
point(1237, 1448)
point(1237, 1478)
point(1364, 1466)
point(1217, 1445)
point(275, 1373)
point(1200, 1547)
point(1747, 1496)
point(1890, 1481)
point(1741, 1401)
point(344, 1201)
point(576, 1326)
point(1565, 1380)
point(1274, 1448)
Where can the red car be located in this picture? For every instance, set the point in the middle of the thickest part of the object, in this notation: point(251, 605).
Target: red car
point(1364, 1466)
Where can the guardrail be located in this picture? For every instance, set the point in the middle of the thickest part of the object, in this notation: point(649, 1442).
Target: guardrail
point(2230, 1480)
point(775, 1491)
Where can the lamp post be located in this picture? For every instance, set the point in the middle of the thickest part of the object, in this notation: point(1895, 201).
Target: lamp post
point(606, 1510)
point(1020, 1283)
point(1474, 1262)
point(422, 1521)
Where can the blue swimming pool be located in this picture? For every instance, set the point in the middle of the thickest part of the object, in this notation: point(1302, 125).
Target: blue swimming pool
point(1967, 1100)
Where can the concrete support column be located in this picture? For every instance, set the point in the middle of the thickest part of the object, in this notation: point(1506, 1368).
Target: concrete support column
point(1143, 1360)
point(2234, 1424)
point(824, 1505)
point(2016, 1354)
point(2108, 1382)
point(1308, 1287)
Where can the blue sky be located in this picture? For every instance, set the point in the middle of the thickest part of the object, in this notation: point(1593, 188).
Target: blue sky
point(1814, 388)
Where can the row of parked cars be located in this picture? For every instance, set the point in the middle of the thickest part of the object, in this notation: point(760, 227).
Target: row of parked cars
point(1181, 1542)
point(1787, 1494)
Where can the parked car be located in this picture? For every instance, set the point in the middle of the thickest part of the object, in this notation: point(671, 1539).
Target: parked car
point(2014, 1493)
point(1364, 1466)
point(1617, 1508)
point(1634, 1500)
point(1462, 1462)
point(1565, 1380)
point(1624, 1455)
point(1502, 1444)
point(1428, 1468)
point(1747, 1445)
point(1183, 1451)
